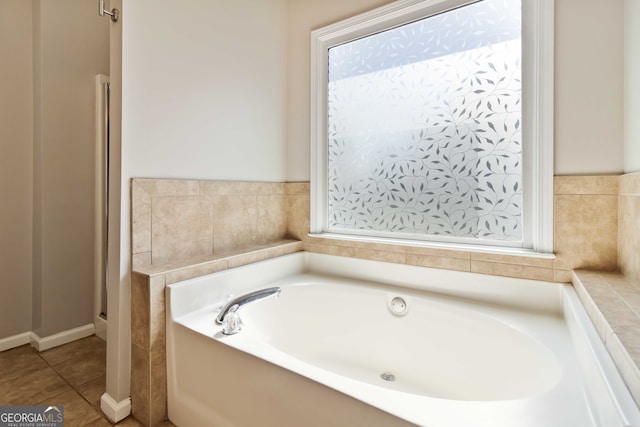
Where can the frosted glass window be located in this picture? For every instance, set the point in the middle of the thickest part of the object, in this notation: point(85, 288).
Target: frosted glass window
point(424, 127)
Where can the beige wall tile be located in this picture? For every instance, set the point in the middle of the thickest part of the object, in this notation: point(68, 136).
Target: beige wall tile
point(157, 318)
point(585, 230)
point(604, 184)
point(631, 340)
point(182, 227)
point(512, 270)
point(234, 222)
point(562, 276)
point(140, 385)
point(169, 187)
point(248, 258)
point(380, 255)
point(512, 259)
point(298, 216)
point(271, 217)
point(302, 188)
point(330, 250)
point(630, 184)
point(140, 219)
point(437, 252)
point(459, 264)
point(158, 386)
point(289, 248)
point(358, 245)
point(141, 260)
point(241, 188)
point(190, 272)
point(140, 310)
point(629, 236)
point(632, 299)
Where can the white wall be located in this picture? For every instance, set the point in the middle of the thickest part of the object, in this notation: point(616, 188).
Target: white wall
point(305, 16)
point(16, 170)
point(204, 89)
point(589, 86)
point(632, 86)
point(588, 81)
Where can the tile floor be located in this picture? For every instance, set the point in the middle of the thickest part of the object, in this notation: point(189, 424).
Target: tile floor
point(71, 375)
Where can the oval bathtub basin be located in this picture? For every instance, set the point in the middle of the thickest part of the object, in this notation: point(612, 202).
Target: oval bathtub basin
point(440, 349)
point(364, 343)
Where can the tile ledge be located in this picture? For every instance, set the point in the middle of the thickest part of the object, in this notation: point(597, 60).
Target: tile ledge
point(596, 289)
point(162, 269)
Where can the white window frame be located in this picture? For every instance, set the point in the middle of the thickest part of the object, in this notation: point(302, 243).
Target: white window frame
point(537, 113)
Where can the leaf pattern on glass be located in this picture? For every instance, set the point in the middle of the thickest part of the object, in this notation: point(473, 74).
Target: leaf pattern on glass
point(429, 142)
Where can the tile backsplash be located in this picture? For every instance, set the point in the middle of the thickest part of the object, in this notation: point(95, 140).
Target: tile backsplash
point(595, 227)
point(175, 220)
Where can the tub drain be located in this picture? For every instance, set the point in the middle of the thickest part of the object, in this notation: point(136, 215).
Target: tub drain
point(388, 376)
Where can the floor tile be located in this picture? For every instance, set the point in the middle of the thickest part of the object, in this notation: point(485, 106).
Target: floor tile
point(100, 422)
point(85, 347)
point(34, 387)
point(71, 375)
point(80, 370)
point(127, 422)
point(19, 361)
point(77, 412)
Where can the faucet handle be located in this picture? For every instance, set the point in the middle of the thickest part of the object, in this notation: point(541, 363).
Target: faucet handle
point(232, 324)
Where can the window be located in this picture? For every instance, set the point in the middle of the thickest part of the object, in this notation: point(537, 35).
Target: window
point(432, 121)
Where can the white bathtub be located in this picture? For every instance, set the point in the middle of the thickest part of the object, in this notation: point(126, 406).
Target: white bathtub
point(470, 350)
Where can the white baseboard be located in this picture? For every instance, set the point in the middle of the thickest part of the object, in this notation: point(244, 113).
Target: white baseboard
point(101, 327)
point(42, 344)
point(15, 341)
point(115, 411)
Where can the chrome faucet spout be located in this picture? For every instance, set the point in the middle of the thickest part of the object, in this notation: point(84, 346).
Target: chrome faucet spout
point(245, 299)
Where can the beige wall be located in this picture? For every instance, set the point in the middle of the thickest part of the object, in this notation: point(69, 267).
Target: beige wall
point(51, 51)
point(632, 86)
point(71, 48)
point(16, 151)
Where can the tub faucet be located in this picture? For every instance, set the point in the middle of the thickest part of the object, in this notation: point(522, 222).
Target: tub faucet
point(228, 316)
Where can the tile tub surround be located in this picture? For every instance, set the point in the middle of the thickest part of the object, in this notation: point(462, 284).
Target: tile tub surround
point(181, 219)
point(585, 235)
point(613, 304)
point(629, 226)
point(148, 344)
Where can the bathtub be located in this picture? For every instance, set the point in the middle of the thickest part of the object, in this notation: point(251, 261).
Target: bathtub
point(353, 342)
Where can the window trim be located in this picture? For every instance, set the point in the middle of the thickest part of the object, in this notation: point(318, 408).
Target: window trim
point(537, 113)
